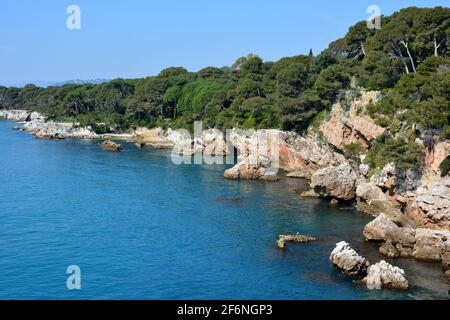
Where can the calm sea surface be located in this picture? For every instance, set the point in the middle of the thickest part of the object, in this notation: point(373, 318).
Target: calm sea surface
point(141, 227)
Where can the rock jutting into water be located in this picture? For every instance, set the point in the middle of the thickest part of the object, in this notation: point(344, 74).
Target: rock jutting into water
point(376, 276)
point(348, 260)
point(384, 275)
point(283, 239)
point(109, 145)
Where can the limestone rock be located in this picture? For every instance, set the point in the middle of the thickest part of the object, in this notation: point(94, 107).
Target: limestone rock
point(382, 228)
point(383, 274)
point(245, 171)
point(386, 179)
point(371, 199)
point(429, 245)
point(389, 250)
point(153, 137)
point(283, 239)
point(335, 181)
point(350, 125)
point(348, 260)
point(109, 145)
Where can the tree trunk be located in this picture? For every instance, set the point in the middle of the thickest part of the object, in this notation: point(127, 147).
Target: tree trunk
point(363, 49)
point(405, 44)
point(399, 52)
point(437, 46)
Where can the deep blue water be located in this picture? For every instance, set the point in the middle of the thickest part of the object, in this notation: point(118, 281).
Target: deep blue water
point(141, 227)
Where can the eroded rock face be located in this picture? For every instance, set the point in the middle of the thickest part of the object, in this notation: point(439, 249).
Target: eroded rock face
point(430, 245)
point(371, 199)
point(335, 181)
point(297, 155)
point(352, 126)
point(434, 157)
point(348, 260)
point(387, 178)
point(383, 274)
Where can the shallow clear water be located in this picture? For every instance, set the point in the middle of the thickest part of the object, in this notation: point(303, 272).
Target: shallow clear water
point(141, 227)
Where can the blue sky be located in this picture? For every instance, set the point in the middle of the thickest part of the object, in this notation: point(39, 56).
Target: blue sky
point(137, 38)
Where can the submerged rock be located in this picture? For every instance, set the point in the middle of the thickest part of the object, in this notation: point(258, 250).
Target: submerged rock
point(109, 145)
point(348, 260)
point(384, 275)
point(309, 194)
point(282, 239)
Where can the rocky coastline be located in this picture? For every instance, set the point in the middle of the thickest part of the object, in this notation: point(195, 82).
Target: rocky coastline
point(411, 208)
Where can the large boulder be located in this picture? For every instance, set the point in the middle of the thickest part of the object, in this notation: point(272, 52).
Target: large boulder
point(384, 229)
point(335, 181)
point(430, 245)
point(383, 274)
point(348, 260)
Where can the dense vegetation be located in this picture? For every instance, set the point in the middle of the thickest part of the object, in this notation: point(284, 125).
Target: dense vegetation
point(407, 59)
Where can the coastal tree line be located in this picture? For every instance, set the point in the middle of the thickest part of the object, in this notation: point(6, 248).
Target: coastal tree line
point(407, 59)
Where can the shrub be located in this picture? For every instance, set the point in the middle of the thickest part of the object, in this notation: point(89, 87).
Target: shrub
point(353, 151)
point(445, 166)
point(385, 149)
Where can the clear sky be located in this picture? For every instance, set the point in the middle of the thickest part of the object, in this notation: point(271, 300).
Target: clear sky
point(137, 38)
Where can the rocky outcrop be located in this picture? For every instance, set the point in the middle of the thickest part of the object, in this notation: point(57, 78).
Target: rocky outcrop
point(387, 178)
point(384, 229)
point(348, 260)
point(335, 181)
point(419, 243)
point(153, 137)
point(246, 171)
point(371, 199)
point(384, 275)
point(298, 156)
point(349, 124)
point(14, 115)
point(437, 154)
point(376, 276)
point(283, 239)
point(109, 145)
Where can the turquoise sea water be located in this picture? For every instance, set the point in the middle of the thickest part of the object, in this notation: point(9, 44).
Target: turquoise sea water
point(141, 227)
